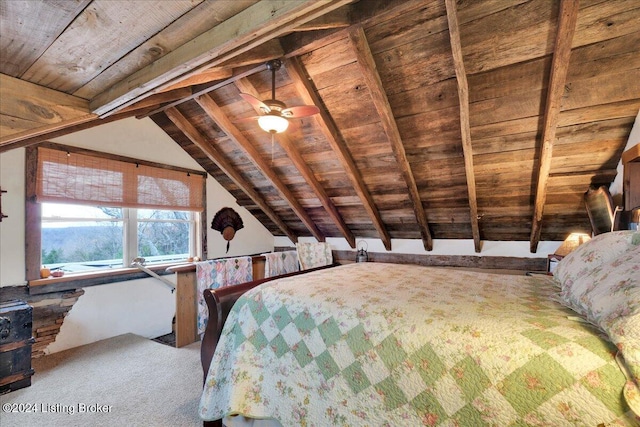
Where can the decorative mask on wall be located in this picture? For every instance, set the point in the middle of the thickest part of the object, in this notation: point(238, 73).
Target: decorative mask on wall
point(227, 221)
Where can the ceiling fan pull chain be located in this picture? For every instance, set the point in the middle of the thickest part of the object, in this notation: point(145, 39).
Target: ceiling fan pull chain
point(273, 136)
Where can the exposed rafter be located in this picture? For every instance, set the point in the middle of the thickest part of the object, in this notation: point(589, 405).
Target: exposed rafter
point(301, 42)
point(215, 112)
point(463, 96)
point(335, 19)
point(159, 99)
point(567, 19)
point(204, 77)
point(236, 75)
point(141, 108)
point(271, 49)
point(285, 142)
point(372, 79)
point(331, 133)
point(215, 156)
point(35, 110)
point(259, 23)
point(259, 55)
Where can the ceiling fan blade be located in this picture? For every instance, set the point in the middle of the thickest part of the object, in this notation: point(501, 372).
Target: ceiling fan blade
point(300, 111)
point(255, 102)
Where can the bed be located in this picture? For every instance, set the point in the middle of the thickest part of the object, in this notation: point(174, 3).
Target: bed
point(376, 344)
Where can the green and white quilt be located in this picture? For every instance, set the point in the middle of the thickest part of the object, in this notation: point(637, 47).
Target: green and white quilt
point(376, 344)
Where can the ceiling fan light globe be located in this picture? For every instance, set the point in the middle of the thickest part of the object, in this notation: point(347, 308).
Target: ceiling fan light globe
point(273, 124)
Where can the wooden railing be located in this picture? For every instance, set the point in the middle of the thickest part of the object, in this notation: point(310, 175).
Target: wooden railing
point(186, 327)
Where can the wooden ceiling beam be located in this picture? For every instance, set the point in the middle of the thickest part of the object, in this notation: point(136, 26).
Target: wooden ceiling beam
point(158, 99)
point(215, 156)
point(463, 96)
point(381, 10)
point(567, 19)
point(215, 112)
point(301, 42)
point(142, 108)
point(331, 133)
point(261, 54)
point(271, 49)
point(255, 25)
point(372, 79)
point(43, 109)
point(339, 18)
point(237, 74)
point(285, 142)
point(205, 76)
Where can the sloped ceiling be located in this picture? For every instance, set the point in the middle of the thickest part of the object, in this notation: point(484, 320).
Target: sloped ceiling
point(440, 119)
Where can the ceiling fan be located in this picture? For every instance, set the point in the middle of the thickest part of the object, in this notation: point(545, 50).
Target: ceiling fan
point(276, 113)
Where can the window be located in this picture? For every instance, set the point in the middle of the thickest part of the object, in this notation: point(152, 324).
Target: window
point(164, 236)
point(97, 211)
point(86, 238)
point(80, 238)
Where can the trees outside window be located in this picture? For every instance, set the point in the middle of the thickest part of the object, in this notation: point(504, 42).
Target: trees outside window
point(80, 238)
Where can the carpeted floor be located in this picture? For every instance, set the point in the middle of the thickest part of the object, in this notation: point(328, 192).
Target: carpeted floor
point(123, 381)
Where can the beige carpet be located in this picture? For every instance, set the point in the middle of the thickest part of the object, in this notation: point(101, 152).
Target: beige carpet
point(123, 381)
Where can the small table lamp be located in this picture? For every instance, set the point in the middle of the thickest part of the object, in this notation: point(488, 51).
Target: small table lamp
point(635, 219)
point(571, 243)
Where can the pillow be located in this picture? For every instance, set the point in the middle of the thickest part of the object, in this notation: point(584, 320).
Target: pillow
point(614, 290)
point(612, 302)
point(592, 255)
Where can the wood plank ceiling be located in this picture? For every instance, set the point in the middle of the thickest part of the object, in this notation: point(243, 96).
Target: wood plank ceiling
point(439, 119)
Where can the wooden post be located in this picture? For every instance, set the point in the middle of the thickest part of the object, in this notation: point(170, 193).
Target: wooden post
point(186, 309)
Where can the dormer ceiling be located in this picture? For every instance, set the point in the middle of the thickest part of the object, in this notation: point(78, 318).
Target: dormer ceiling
point(439, 119)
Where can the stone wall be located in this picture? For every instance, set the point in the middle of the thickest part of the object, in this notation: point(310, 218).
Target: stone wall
point(49, 311)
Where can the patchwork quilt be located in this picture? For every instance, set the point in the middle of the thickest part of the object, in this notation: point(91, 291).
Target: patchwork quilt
point(277, 263)
point(375, 344)
point(217, 273)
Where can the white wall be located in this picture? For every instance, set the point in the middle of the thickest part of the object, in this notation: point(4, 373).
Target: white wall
point(634, 138)
point(142, 307)
point(145, 307)
point(12, 264)
point(254, 238)
point(440, 247)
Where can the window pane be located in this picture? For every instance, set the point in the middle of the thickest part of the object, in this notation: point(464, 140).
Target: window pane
point(72, 243)
point(61, 210)
point(163, 235)
point(150, 214)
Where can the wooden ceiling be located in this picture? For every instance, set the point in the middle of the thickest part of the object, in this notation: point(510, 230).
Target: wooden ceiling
point(440, 119)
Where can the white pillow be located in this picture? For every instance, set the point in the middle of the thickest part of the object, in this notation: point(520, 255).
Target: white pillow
point(592, 255)
point(602, 282)
point(614, 305)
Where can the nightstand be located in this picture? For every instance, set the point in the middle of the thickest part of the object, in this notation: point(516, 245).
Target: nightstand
point(552, 262)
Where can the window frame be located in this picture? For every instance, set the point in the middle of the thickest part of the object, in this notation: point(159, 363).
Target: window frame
point(33, 225)
point(131, 246)
point(130, 241)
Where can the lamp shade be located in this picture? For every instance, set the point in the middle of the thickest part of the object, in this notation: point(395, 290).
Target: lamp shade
point(571, 243)
point(272, 123)
point(635, 219)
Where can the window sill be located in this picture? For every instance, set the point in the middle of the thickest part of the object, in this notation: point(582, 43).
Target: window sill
point(83, 280)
